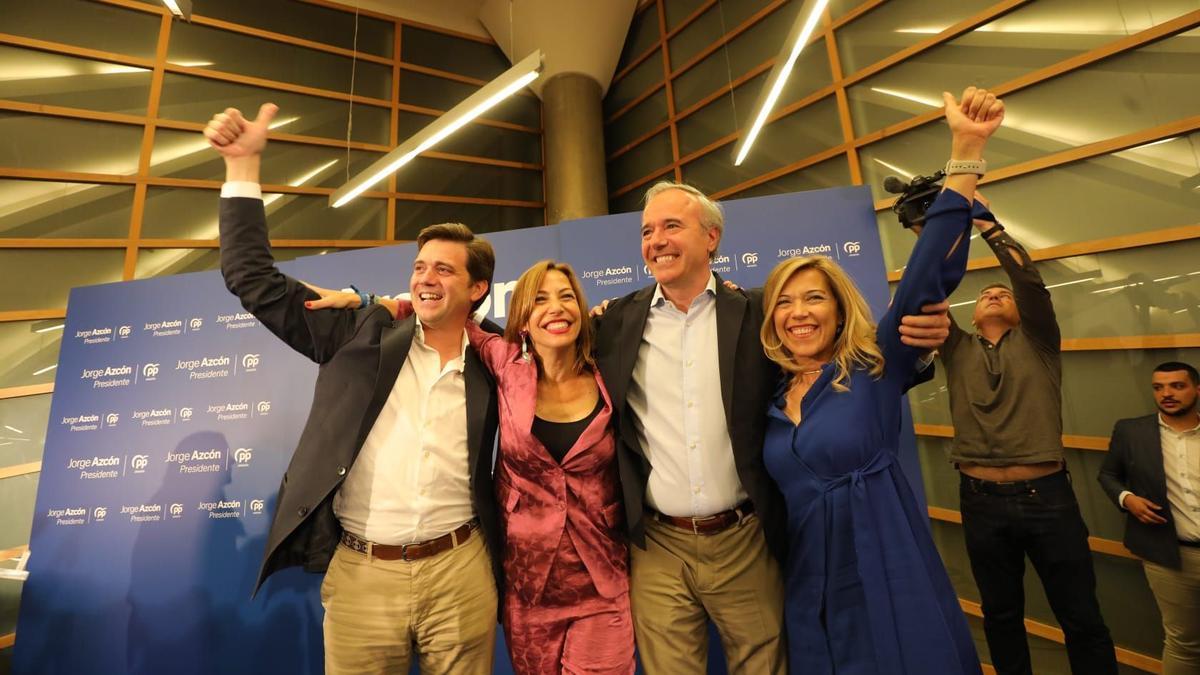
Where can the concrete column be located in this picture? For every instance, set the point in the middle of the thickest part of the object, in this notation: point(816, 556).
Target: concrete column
point(573, 129)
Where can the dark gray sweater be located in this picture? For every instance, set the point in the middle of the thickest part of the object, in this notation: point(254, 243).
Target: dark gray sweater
point(1006, 398)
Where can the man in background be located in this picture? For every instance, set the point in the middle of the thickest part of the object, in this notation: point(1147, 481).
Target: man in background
point(1152, 472)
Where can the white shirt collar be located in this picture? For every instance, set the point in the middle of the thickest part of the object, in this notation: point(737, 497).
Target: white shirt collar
point(710, 288)
point(459, 362)
point(1163, 424)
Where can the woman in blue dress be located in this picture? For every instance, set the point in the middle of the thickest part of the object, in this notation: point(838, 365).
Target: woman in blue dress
point(866, 592)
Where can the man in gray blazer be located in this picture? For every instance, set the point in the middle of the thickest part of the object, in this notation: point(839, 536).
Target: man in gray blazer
point(1152, 471)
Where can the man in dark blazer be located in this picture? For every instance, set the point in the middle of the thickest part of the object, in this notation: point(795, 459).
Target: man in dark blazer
point(690, 384)
point(1152, 471)
point(390, 487)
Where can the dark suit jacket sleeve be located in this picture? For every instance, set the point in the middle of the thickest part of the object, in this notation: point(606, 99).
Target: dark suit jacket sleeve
point(1114, 472)
point(274, 298)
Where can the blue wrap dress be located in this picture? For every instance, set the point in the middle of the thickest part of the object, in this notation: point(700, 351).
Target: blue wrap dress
point(866, 592)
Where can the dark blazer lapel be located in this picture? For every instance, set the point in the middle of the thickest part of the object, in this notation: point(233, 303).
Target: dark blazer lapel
point(394, 342)
point(633, 325)
point(478, 384)
point(731, 308)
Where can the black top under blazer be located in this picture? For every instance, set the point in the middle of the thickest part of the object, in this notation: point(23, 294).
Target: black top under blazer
point(360, 353)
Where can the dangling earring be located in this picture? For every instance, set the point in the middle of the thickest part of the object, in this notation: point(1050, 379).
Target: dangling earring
point(525, 345)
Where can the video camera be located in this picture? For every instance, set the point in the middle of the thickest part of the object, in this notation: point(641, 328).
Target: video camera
point(915, 197)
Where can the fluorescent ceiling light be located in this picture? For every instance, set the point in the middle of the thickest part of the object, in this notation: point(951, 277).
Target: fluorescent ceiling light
point(47, 330)
point(45, 370)
point(490, 94)
point(180, 8)
point(13, 429)
point(802, 30)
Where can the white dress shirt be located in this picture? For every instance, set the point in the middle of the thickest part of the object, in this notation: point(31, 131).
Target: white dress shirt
point(676, 398)
point(411, 479)
point(1181, 465)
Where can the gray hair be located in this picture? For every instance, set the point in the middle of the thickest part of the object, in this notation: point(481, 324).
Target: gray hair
point(712, 215)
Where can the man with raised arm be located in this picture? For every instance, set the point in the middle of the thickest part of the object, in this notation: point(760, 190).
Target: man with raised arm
point(1005, 387)
point(390, 487)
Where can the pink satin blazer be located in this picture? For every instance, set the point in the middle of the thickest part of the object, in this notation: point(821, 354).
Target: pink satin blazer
point(540, 498)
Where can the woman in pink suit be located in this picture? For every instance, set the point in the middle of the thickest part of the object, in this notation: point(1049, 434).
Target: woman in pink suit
point(566, 606)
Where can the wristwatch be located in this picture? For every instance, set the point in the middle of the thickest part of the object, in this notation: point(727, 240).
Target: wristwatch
point(966, 166)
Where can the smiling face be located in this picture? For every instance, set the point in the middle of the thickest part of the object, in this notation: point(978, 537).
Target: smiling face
point(442, 290)
point(554, 321)
point(806, 317)
point(996, 303)
point(676, 247)
point(1174, 393)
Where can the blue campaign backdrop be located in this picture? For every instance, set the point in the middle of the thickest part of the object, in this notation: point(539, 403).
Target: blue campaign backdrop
point(175, 413)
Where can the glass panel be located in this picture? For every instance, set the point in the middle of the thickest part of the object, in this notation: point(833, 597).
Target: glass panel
point(781, 142)
point(29, 351)
point(35, 142)
point(160, 262)
point(180, 213)
point(17, 497)
point(724, 116)
point(23, 429)
point(479, 140)
point(185, 154)
point(193, 45)
point(1078, 108)
point(453, 54)
point(749, 50)
point(289, 254)
point(646, 158)
point(1034, 36)
point(195, 99)
point(647, 74)
point(925, 149)
point(52, 79)
point(896, 25)
point(443, 177)
point(1128, 192)
point(304, 20)
point(678, 10)
point(46, 276)
point(47, 209)
point(718, 21)
point(442, 94)
point(1099, 388)
point(840, 8)
point(643, 32)
point(632, 201)
point(833, 172)
point(92, 25)
point(642, 118)
point(1153, 290)
point(412, 217)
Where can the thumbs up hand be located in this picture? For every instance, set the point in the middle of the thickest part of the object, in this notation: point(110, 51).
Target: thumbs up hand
point(235, 137)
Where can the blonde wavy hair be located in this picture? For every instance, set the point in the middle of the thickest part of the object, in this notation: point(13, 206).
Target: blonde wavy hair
point(854, 345)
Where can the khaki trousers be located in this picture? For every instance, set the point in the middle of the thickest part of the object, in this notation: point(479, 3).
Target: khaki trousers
point(681, 580)
point(1178, 596)
point(378, 611)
